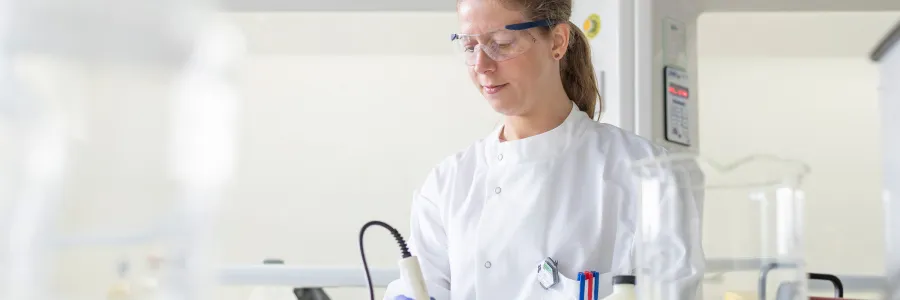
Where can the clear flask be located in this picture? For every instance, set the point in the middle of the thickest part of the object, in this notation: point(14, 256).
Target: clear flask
point(116, 137)
point(751, 229)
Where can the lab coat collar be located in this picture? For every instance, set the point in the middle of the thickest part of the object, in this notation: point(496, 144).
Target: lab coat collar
point(539, 147)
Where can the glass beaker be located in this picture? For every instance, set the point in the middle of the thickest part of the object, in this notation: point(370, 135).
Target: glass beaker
point(116, 130)
point(747, 216)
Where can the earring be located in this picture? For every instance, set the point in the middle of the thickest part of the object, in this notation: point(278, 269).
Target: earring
point(556, 55)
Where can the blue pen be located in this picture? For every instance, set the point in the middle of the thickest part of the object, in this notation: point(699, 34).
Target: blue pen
point(596, 284)
point(581, 282)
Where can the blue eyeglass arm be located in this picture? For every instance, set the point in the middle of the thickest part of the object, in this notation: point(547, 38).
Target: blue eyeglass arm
point(529, 25)
point(519, 26)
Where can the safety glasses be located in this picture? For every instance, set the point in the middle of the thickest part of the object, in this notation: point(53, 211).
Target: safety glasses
point(499, 45)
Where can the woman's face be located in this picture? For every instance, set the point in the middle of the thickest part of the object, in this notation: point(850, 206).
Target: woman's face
point(510, 86)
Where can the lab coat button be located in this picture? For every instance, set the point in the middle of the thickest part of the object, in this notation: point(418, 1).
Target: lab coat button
point(497, 190)
point(487, 265)
point(500, 157)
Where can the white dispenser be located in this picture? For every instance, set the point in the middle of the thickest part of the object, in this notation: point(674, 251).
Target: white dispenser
point(623, 288)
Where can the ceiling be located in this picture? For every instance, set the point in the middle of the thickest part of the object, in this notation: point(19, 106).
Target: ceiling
point(450, 5)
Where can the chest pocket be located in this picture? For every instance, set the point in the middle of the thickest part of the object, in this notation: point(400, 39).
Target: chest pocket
point(566, 289)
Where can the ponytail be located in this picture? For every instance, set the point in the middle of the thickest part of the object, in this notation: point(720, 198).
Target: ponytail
point(577, 73)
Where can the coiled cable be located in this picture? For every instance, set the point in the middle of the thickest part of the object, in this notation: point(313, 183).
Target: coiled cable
point(404, 250)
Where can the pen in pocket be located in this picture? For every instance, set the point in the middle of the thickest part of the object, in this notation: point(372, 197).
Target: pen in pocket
point(589, 277)
point(581, 286)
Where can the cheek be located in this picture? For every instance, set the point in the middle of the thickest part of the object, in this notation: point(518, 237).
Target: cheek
point(543, 64)
point(523, 70)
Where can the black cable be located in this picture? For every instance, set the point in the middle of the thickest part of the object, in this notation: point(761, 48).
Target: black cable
point(404, 251)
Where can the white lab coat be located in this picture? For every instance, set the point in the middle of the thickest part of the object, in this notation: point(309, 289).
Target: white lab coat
point(487, 216)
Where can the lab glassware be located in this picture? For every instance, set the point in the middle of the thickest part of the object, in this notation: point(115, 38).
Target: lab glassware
point(116, 140)
point(751, 229)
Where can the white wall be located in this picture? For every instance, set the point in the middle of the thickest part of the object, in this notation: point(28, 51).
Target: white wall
point(331, 142)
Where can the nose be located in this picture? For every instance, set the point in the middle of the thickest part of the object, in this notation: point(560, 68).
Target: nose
point(483, 63)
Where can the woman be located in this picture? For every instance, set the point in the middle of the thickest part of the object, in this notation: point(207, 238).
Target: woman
point(548, 183)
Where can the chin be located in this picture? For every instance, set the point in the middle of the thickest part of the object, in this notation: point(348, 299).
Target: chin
point(507, 107)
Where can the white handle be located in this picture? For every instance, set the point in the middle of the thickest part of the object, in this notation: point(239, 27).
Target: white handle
point(410, 269)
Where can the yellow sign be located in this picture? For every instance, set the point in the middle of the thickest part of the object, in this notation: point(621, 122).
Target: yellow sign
point(592, 26)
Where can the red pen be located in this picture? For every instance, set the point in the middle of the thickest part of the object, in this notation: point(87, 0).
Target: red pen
point(589, 276)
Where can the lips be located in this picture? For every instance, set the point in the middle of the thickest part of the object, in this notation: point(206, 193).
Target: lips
point(493, 89)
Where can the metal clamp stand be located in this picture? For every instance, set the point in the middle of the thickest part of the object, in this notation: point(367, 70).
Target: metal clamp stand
point(838, 286)
point(787, 290)
point(764, 274)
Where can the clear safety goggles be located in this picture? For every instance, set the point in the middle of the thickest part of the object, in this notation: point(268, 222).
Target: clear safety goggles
point(499, 45)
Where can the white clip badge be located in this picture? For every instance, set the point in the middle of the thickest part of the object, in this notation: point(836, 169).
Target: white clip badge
point(547, 273)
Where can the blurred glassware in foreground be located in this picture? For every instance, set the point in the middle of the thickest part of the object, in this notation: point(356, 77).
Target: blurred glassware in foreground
point(117, 124)
point(756, 226)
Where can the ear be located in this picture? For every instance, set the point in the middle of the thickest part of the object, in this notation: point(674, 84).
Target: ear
point(560, 36)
